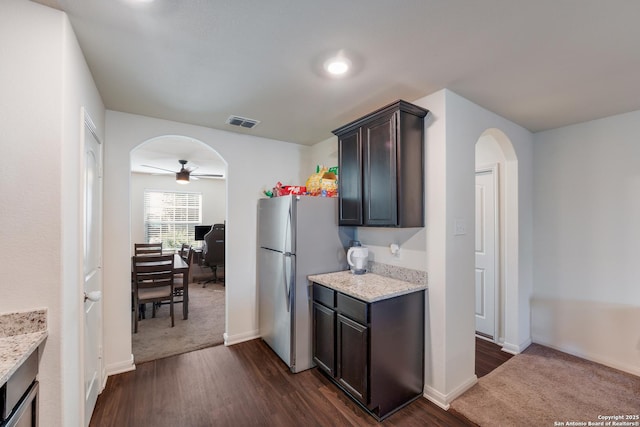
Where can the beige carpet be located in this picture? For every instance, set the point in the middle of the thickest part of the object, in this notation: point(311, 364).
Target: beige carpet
point(542, 386)
point(204, 327)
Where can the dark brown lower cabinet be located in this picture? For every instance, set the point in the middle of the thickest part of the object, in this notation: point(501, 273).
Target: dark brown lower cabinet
point(324, 342)
point(374, 351)
point(352, 358)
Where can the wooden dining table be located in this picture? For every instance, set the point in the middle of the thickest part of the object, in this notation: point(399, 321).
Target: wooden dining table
point(180, 266)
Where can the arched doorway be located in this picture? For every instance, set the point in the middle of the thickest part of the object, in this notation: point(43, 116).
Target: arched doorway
point(154, 165)
point(497, 167)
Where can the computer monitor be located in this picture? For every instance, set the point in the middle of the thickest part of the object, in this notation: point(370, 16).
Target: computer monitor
point(200, 231)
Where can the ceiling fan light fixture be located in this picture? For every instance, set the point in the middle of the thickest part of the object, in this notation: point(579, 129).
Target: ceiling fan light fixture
point(182, 177)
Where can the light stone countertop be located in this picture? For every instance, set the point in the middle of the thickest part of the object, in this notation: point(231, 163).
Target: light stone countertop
point(367, 287)
point(20, 335)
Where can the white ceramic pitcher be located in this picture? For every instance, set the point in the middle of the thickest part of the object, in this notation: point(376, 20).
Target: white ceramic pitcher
point(357, 257)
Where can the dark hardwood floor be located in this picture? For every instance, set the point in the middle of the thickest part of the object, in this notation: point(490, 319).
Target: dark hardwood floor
point(488, 357)
point(248, 385)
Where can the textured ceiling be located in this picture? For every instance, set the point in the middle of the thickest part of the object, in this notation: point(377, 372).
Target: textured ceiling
point(542, 64)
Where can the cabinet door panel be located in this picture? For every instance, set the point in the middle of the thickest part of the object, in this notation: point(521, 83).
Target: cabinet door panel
point(352, 372)
point(350, 178)
point(324, 338)
point(380, 174)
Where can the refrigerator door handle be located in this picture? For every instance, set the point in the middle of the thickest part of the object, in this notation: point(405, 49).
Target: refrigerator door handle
point(285, 276)
point(287, 235)
point(285, 255)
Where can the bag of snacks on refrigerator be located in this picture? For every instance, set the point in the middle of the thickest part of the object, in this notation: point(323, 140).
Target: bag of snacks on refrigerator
point(314, 182)
point(329, 185)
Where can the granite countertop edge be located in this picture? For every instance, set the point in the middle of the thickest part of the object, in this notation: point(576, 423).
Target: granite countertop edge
point(367, 287)
point(14, 350)
point(21, 333)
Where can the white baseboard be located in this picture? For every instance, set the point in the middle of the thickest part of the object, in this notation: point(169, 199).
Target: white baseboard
point(444, 400)
point(238, 338)
point(104, 379)
point(516, 348)
point(121, 367)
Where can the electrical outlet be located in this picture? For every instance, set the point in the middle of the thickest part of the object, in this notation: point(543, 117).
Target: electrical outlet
point(395, 249)
point(459, 227)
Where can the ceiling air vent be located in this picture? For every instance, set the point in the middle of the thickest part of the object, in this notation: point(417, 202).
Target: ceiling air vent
point(242, 122)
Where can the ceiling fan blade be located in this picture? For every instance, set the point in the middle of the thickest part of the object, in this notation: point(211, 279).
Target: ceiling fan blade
point(208, 175)
point(155, 167)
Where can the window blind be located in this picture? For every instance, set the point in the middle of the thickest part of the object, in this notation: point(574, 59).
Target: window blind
point(170, 217)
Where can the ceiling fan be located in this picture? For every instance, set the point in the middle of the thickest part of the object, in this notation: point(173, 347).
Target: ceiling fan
point(184, 174)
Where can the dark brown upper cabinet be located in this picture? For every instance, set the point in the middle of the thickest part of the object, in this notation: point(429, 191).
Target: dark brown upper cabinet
point(381, 167)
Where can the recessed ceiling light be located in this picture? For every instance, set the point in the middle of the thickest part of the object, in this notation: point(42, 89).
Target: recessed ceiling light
point(338, 65)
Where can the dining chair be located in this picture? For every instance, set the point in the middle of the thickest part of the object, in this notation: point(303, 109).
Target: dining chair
point(147, 249)
point(152, 282)
point(184, 251)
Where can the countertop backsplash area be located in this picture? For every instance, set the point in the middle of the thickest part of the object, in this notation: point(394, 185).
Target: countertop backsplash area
point(396, 272)
point(25, 322)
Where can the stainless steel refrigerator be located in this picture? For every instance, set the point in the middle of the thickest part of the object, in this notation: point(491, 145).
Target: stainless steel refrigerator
point(297, 236)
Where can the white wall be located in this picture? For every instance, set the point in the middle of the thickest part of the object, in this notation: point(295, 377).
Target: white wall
point(323, 153)
point(450, 179)
point(587, 240)
point(252, 165)
point(80, 95)
point(214, 198)
point(44, 81)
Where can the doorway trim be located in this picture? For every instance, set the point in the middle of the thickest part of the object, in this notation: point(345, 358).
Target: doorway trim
point(209, 148)
point(509, 319)
point(494, 169)
point(98, 383)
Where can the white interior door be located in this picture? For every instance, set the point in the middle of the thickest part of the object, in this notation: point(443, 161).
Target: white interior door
point(486, 252)
point(92, 269)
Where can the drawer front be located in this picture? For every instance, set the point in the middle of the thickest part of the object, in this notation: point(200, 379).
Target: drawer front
point(20, 382)
point(324, 296)
point(353, 308)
